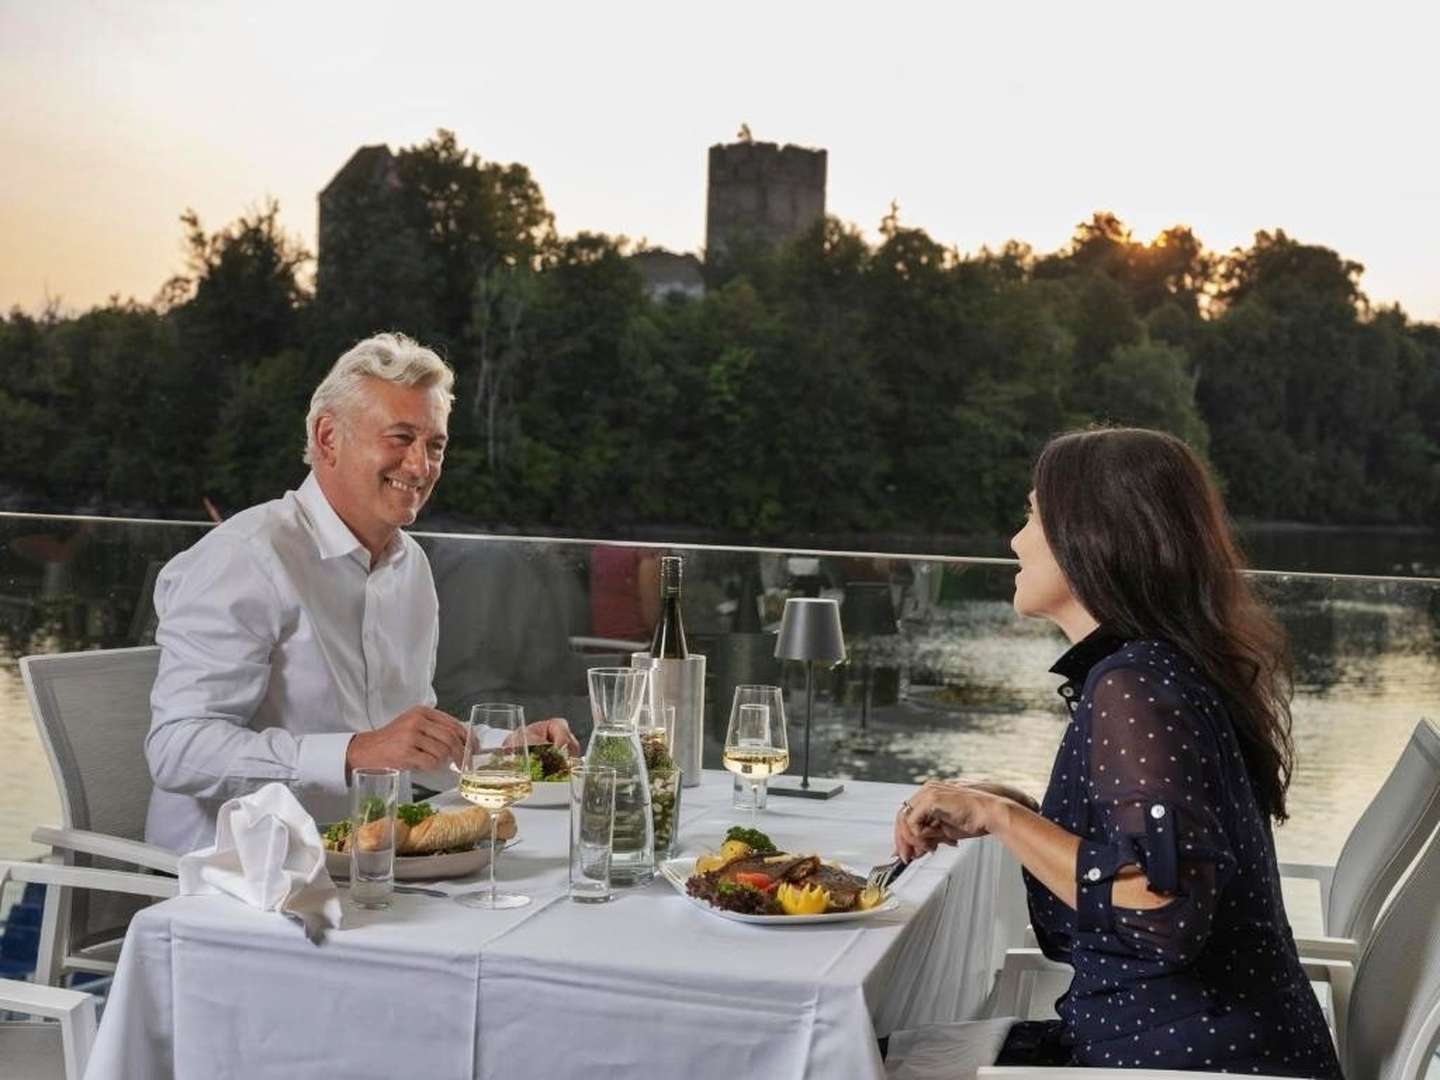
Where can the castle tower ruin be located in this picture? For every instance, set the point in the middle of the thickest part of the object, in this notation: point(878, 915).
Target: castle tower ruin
point(761, 194)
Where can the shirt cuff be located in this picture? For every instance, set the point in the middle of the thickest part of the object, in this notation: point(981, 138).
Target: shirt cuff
point(1095, 868)
point(321, 762)
point(490, 737)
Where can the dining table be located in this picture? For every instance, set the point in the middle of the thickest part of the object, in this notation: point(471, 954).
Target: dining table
point(651, 983)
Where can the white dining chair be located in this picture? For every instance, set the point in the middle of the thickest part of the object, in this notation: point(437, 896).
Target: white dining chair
point(57, 1043)
point(1383, 843)
point(93, 712)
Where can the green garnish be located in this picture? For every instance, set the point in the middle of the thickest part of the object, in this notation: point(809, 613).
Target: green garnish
point(372, 809)
point(758, 842)
point(413, 813)
point(337, 834)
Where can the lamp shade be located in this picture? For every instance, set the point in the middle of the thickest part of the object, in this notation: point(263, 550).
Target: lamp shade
point(810, 630)
point(868, 610)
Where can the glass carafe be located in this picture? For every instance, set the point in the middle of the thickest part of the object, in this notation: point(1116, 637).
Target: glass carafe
point(616, 695)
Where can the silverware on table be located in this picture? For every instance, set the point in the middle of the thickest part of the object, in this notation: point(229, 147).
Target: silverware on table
point(420, 890)
point(884, 875)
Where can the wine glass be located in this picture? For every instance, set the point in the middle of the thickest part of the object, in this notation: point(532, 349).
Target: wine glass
point(756, 747)
point(495, 776)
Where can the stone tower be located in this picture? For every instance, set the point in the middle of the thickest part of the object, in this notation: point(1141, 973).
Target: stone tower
point(762, 194)
point(353, 207)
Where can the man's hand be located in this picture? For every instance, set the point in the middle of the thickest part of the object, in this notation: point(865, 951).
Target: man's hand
point(419, 738)
point(555, 731)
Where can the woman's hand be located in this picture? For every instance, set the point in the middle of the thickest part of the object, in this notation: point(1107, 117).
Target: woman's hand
point(1005, 791)
point(942, 812)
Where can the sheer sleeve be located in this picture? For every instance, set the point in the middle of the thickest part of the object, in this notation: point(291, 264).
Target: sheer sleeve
point(1154, 794)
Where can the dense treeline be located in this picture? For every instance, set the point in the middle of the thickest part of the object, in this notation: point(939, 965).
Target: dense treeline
point(834, 385)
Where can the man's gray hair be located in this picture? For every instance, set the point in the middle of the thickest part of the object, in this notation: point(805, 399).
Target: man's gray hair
point(393, 357)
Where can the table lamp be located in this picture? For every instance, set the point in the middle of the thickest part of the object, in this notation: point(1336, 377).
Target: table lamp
point(810, 631)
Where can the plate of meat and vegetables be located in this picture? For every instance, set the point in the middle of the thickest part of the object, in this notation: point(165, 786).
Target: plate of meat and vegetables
point(749, 880)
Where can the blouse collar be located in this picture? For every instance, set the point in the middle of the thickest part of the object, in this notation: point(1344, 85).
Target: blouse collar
point(1086, 653)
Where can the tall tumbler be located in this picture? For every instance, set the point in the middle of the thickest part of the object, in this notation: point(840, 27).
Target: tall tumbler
point(374, 794)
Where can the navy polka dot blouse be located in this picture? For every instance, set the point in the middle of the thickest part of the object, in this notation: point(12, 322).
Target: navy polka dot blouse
point(1149, 772)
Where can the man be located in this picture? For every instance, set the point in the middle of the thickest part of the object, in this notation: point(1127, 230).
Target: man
point(298, 639)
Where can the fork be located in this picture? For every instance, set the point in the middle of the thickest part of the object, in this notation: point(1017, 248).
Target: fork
point(884, 875)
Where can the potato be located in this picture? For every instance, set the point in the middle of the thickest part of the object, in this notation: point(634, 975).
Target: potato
point(734, 849)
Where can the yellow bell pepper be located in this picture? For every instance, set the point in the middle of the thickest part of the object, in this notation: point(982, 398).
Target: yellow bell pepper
point(811, 900)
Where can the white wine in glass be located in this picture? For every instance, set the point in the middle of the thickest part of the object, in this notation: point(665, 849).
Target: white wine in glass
point(495, 776)
point(755, 747)
point(756, 763)
point(494, 791)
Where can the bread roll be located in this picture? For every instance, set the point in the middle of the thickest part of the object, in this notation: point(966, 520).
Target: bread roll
point(371, 836)
point(444, 832)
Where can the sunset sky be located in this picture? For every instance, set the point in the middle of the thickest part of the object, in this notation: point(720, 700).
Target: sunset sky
point(985, 121)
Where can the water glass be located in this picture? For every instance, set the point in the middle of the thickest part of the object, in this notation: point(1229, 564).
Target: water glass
point(374, 794)
point(592, 832)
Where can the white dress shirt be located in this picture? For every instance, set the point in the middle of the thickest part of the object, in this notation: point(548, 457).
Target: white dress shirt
point(279, 641)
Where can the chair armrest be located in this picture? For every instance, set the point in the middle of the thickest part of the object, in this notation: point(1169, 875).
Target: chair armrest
point(74, 1010)
point(1035, 1072)
point(1340, 975)
point(32, 999)
point(110, 847)
point(1007, 988)
point(1314, 871)
point(89, 877)
point(1328, 948)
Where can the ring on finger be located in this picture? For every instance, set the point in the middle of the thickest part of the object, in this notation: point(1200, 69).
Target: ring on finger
point(905, 808)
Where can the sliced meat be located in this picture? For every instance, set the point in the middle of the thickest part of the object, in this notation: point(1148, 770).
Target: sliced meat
point(789, 868)
point(844, 887)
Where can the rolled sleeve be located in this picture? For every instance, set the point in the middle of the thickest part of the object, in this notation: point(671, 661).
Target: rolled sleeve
point(1151, 766)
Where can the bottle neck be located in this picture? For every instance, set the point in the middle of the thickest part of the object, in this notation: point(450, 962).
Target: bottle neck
point(669, 640)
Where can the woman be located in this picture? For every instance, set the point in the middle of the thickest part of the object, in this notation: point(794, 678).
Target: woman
point(1150, 866)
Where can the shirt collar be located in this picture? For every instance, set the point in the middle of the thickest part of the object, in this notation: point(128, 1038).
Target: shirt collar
point(1086, 653)
point(333, 537)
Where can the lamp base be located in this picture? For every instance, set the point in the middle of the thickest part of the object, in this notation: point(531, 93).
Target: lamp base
point(818, 789)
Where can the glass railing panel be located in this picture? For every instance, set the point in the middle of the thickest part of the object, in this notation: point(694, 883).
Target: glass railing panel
point(960, 687)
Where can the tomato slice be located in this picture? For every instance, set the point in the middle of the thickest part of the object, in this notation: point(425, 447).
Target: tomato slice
point(754, 880)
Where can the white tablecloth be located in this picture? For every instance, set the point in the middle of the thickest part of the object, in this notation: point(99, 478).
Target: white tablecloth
point(647, 985)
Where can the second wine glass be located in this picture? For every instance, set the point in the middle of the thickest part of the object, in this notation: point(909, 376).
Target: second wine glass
point(495, 774)
point(756, 745)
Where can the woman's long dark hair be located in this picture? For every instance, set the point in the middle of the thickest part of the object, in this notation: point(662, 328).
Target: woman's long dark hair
point(1141, 534)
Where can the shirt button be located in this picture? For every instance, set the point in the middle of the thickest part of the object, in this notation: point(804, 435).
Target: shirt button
point(1157, 811)
point(1093, 874)
point(1067, 690)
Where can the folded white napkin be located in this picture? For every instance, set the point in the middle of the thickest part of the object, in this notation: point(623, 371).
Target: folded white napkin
point(268, 853)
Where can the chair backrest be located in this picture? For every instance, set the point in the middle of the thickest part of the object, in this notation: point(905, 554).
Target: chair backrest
point(93, 711)
point(1395, 1003)
point(1384, 841)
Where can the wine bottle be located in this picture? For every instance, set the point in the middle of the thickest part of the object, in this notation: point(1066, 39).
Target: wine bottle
point(668, 642)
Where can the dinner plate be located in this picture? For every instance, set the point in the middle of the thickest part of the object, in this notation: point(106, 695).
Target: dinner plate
point(677, 871)
point(450, 864)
